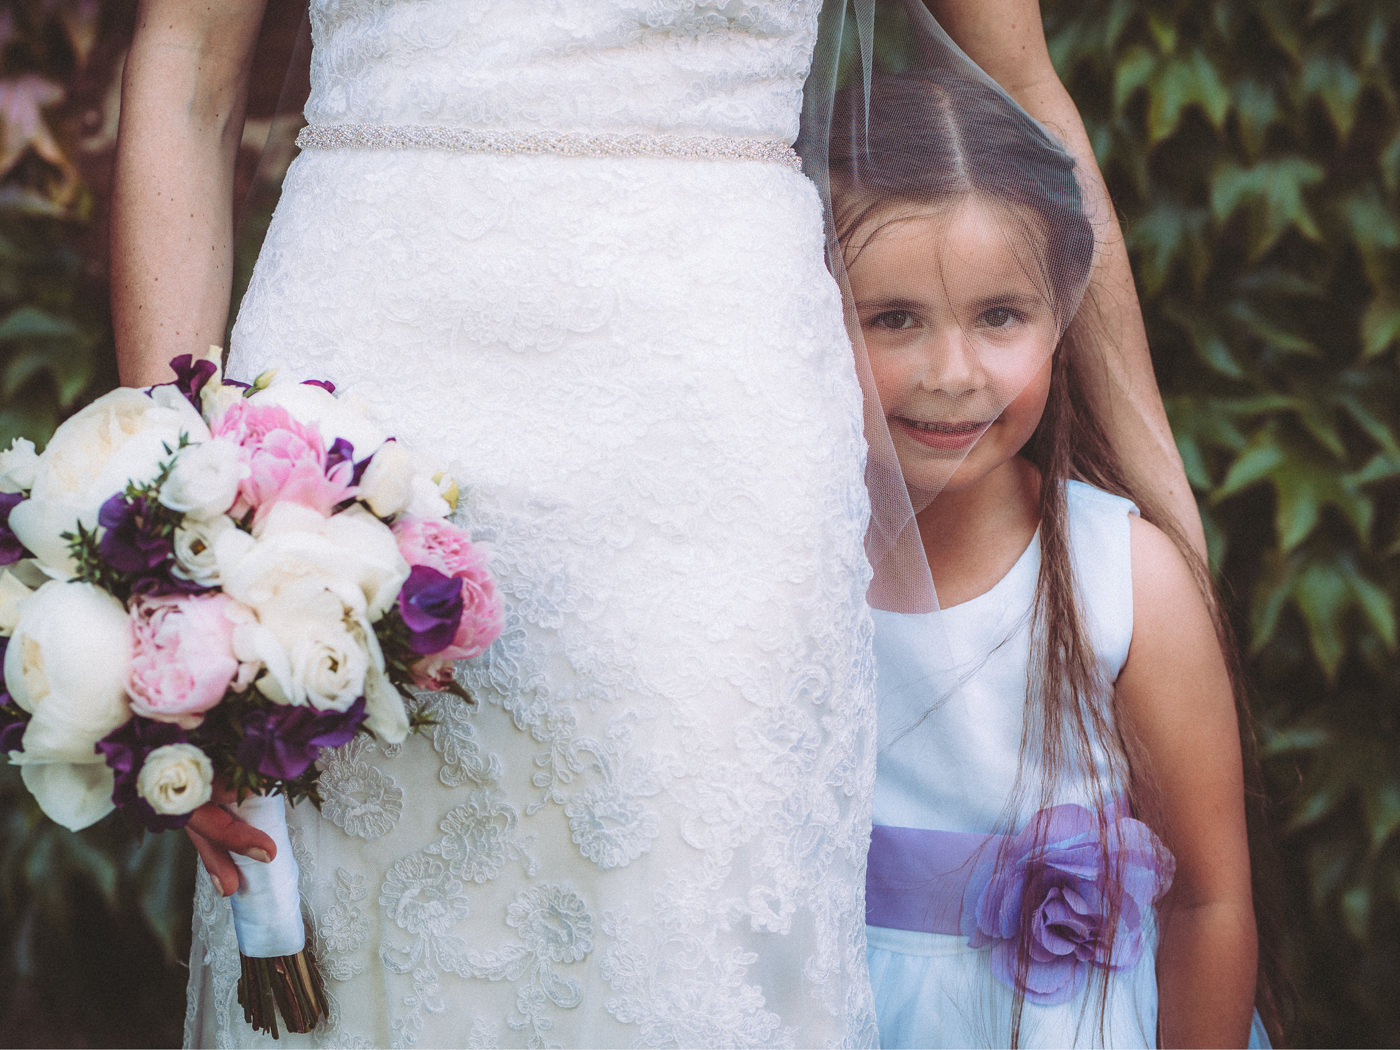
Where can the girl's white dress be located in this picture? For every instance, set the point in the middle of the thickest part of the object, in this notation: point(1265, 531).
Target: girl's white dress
point(949, 765)
point(652, 831)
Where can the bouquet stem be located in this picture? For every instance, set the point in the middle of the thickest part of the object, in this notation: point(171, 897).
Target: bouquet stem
point(290, 984)
point(279, 971)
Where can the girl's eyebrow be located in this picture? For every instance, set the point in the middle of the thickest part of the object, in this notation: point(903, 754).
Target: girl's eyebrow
point(891, 303)
point(1020, 300)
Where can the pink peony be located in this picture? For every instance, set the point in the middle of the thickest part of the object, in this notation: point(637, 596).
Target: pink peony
point(182, 660)
point(446, 548)
point(286, 460)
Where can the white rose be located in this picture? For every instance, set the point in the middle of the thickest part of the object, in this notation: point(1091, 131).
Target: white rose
point(385, 714)
point(17, 466)
point(176, 779)
point(305, 638)
point(335, 417)
point(66, 664)
point(124, 436)
point(387, 483)
point(203, 483)
point(193, 547)
point(293, 542)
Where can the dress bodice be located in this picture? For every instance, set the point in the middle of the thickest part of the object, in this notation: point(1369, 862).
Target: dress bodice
point(693, 67)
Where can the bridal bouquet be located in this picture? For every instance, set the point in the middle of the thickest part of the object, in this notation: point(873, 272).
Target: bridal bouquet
point(205, 581)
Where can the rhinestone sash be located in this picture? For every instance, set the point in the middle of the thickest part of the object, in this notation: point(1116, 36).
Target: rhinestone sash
point(533, 143)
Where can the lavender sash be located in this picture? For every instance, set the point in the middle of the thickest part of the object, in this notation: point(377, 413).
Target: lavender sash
point(949, 882)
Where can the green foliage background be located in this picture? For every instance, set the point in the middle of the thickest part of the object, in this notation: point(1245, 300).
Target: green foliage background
point(1253, 150)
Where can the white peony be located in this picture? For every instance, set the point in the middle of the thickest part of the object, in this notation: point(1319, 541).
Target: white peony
point(12, 592)
point(203, 483)
point(124, 436)
point(335, 417)
point(17, 466)
point(307, 640)
point(293, 542)
point(66, 664)
point(193, 547)
point(176, 779)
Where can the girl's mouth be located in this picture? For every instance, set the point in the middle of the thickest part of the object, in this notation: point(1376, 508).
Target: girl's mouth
point(946, 437)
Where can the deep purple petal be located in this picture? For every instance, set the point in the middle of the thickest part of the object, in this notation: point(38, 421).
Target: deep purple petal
point(132, 539)
point(191, 375)
point(430, 604)
point(324, 384)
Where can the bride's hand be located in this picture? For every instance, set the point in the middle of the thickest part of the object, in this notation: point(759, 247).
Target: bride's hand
point(216, 833)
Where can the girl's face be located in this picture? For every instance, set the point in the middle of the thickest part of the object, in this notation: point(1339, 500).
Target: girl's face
point(960, 333)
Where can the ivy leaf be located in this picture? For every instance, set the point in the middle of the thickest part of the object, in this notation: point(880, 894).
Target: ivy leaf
point(1304, 481)
point(1182, 83)
point(1256, 108)
point(1335, 84)
point(1272, 194)
point(1380, 325)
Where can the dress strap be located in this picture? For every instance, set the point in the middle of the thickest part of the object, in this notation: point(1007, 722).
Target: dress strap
point(536, 143)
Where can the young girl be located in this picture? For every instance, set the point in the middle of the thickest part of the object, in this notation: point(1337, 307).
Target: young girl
point(1060, 853)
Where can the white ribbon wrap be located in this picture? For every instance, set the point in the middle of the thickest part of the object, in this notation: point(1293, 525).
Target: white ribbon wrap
point(267, 906)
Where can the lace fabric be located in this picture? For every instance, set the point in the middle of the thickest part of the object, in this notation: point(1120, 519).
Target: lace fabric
point(652, 829)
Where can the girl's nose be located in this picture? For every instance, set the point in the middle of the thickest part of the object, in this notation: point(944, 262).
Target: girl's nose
point(952, 365)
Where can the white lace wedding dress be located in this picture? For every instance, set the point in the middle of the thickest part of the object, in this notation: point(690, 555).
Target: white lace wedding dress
point(652, 830)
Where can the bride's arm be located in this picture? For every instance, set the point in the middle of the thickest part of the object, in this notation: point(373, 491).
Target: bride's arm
point(1007, 39)
point(183, 97)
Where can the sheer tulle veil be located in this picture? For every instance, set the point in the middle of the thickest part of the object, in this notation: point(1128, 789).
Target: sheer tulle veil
point(853, 146)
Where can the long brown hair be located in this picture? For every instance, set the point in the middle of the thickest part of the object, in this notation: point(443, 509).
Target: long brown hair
point(936, 138)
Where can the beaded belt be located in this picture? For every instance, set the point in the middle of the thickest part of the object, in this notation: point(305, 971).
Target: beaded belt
point(534, 143)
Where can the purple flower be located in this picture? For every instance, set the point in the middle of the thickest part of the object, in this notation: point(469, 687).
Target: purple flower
point(11, 550)
point(431, 606)
point(282, 742)
point(133, 540)
point(1055, 868)
point(13, 718)
point(324, 384)
point(125, 749)
point(191, 375)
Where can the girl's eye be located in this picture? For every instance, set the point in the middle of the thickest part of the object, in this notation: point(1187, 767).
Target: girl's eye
point(999, 317)
point(893, 319)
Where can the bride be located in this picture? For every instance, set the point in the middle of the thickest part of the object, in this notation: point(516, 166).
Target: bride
point(565, 245)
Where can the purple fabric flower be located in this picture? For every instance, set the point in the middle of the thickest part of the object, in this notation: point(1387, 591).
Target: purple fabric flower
point(1055, 868)
point(11, 550)
point(125, 749)
point(282, 742)
point(191, 375)
point(131, 541)
point(430, 603)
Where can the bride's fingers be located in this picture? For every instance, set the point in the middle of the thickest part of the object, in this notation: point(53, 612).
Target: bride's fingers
point(216, 833)
point(217, 862)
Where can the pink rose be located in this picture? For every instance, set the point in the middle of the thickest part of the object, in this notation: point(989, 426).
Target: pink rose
point(446, 548)
point(182, 660)
point(286, 460)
